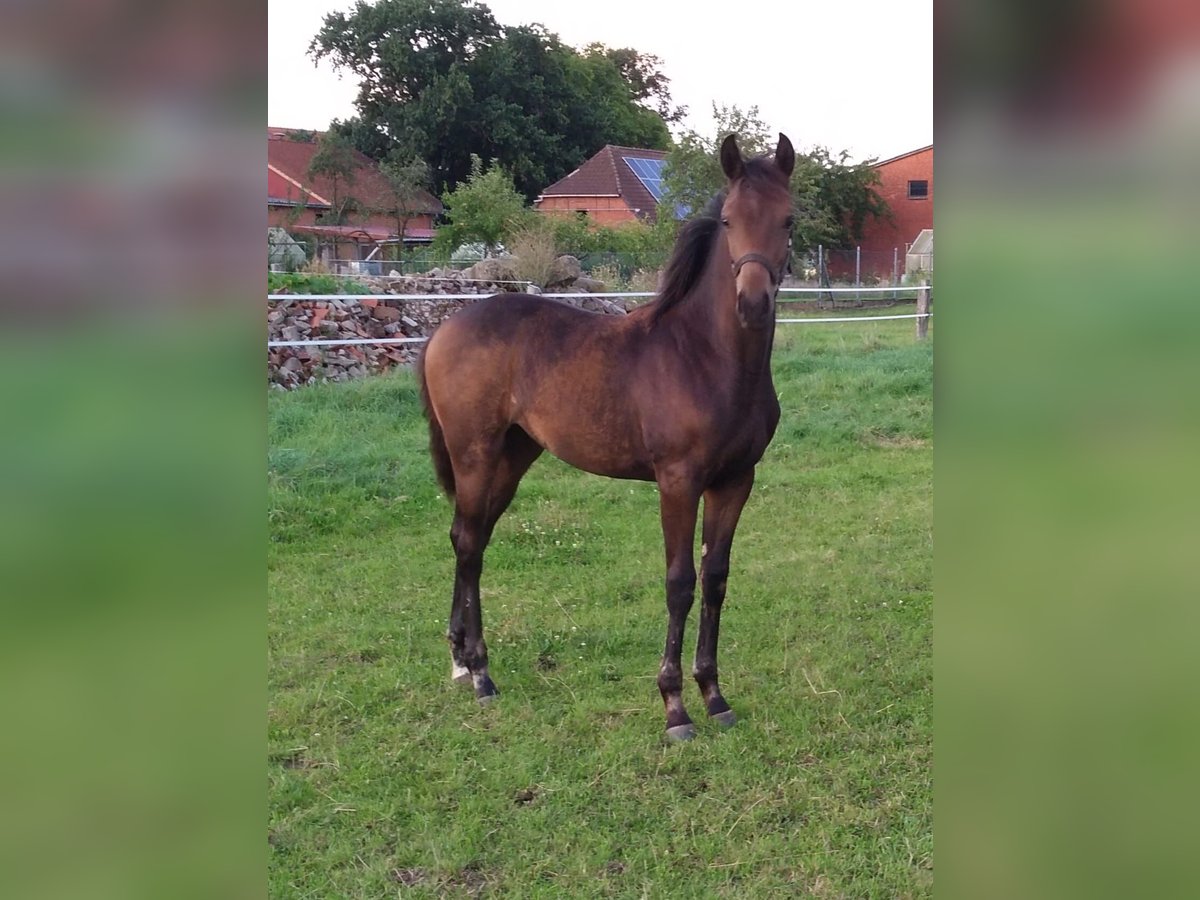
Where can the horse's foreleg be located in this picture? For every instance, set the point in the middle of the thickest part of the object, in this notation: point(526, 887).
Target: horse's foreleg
point(678, 503)
point(722, 508)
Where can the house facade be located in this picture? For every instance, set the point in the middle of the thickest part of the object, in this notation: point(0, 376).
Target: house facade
point(302, 205)
point(906, 185)
point(618, 184)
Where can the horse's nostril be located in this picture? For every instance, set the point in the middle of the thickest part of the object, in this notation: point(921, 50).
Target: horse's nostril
point(754, 308)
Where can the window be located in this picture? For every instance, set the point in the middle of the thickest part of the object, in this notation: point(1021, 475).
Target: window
point(918, 190)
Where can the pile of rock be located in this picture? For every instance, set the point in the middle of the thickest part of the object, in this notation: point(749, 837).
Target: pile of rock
point(447, 281)
point(376, 316)
point(370, 317)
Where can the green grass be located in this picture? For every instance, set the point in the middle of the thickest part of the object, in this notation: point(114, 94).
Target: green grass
point(304, 283)
point(385, 779)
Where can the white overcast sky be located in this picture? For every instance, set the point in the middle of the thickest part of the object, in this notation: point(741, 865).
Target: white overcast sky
point(848, 74)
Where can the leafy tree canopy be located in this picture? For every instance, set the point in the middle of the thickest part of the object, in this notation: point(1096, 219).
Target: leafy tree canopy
point(442, 80)
point(833, 197)
point(483, 208)
point(647, 84)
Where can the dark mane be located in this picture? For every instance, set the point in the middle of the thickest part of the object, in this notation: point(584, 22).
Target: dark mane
point(694, 243)
point(687, 263)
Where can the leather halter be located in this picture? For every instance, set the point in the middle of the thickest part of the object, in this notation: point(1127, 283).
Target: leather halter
point(776, 273)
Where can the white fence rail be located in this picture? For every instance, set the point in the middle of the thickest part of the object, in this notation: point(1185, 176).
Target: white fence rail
point(787, 290)
point(420, 340)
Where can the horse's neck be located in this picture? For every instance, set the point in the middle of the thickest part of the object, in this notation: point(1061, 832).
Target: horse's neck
point(714, 316)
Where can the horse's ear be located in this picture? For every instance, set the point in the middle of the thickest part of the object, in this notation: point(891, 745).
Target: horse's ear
point(731, 158)
point(785, 156)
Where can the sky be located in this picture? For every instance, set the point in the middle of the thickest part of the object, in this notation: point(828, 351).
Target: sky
point(852, 75)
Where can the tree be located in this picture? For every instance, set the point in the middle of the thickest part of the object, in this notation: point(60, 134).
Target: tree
point(441, 80)
point(693, 170)
point(833, 199)
point(407, 189)
point(641, 72)
point(483, 208)
point(336, 161)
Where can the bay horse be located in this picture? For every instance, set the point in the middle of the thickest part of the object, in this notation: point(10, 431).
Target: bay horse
point(678, 392)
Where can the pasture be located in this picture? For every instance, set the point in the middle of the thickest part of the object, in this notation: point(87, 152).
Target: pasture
point(385, 779)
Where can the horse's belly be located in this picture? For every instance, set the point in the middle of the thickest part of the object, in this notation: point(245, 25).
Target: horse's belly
point(601, 461)
point(585, 443)
point(629, 468)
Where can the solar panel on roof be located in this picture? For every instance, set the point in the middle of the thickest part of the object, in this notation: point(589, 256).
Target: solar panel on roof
point(649, 173)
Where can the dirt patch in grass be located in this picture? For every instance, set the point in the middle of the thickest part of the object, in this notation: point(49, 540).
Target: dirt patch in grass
point(470, 880)
point(895, 441)
point(293, 759)
point(409, 877)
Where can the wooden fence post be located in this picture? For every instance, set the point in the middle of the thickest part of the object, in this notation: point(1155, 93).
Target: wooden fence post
point(923, 298)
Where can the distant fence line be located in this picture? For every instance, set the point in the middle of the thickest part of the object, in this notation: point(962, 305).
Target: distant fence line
point(432, 297)
point(849, 265)
point(922, 315)
point(421, 340)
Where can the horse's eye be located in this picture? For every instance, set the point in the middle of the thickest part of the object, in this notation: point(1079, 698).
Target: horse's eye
point(725, 221)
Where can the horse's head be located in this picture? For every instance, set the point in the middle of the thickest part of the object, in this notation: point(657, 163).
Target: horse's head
point(757, 220)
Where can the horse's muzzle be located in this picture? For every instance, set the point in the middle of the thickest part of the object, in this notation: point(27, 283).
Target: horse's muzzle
point(756, 310)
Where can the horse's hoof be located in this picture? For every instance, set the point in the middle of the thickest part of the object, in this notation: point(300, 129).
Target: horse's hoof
point(684, 732)
point(725, 719)
point(487, 699)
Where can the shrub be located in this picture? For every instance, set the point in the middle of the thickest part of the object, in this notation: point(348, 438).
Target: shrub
point(534, 251)
point(610, 276)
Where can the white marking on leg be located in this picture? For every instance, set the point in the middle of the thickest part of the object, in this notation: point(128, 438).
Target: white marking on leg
point(458, 674)
point(703, 550)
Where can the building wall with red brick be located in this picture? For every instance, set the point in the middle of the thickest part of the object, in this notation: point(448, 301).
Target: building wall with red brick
point(884, 240)
point(599, 210)
point(911, 215)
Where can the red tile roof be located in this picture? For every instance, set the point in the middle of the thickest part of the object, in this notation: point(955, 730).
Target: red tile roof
point(290, 159)
point(607, 175)
point(892, 159)
point(285, 191)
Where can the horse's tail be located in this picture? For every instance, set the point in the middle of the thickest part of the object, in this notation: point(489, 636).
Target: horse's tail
point(437, 441)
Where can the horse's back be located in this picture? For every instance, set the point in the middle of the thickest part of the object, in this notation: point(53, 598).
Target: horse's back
point(514, 319)
point(562, 374)
point(521, 332)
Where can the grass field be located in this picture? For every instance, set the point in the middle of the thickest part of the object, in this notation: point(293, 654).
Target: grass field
point(385, 779)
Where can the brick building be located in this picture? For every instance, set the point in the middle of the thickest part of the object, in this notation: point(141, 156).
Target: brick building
point(618, 184)
point(300, 204)
point(906, 184)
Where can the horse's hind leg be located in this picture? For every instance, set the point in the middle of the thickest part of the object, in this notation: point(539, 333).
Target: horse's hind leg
point(484, 491)
point(722, 508)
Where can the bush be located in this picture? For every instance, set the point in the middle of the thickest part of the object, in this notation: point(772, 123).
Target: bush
point(644, 280)
point(610, 276)
point(534, 251)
